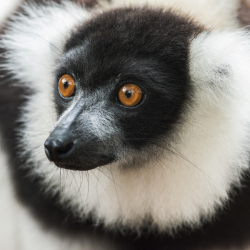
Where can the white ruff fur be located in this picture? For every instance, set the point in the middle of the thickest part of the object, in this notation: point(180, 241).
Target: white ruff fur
point(219, 14)
point(19, 231)
point(212, 145)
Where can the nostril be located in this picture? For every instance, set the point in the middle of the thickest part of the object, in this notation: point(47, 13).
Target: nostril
point(64, 149)
point(48, 150)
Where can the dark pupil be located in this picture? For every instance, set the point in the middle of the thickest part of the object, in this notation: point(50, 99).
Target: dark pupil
point(65, 85)
point(128, 93)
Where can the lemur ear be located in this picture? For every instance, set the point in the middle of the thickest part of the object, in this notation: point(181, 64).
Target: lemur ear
point(244, 12)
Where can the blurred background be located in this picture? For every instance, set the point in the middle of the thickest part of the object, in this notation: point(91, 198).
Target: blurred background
point(6, 7)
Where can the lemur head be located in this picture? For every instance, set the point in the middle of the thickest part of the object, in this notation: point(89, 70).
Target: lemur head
point(148, 108)
point(120, 88)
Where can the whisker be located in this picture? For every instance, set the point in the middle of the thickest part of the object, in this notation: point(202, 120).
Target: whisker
point(54, 48)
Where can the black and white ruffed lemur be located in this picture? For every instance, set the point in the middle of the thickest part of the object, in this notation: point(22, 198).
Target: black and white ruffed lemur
point(125, 125)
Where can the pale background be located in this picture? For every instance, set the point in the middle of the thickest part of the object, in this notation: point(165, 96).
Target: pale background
point(6, 7)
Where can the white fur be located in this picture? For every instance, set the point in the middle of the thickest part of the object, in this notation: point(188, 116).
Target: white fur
point(211, 148)
point(20, 231)
point(7, 7)
point(219, 14)
point(39, 40)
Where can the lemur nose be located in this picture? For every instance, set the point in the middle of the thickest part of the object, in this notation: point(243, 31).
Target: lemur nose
point(57, 150)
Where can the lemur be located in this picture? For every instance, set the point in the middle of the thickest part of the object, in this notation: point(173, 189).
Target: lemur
point(125, 125)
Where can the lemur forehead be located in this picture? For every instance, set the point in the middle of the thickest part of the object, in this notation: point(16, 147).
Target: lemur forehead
point(125, 24)
point(127, 40)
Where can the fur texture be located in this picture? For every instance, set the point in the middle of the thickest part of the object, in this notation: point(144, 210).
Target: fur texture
point(212, 14)
point(205, 154)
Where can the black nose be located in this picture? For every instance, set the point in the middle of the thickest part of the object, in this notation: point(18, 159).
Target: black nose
point(57, 150)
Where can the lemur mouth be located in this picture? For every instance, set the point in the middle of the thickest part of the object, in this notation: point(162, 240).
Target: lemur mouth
point(86, 165)
point(70, 153)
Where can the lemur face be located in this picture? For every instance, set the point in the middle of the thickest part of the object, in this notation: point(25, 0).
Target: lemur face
point(115, 50)
point(147, 107)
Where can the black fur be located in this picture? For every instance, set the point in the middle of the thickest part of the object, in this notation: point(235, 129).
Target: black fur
point(141, 46)
point(243, 13)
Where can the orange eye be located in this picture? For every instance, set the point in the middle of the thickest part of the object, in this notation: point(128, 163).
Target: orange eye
point(130, 95)
point(66, 86)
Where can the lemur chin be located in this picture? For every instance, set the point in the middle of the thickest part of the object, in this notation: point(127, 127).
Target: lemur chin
point(126, 117)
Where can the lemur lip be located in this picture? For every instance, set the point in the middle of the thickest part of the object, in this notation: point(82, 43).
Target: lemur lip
point(87, 165)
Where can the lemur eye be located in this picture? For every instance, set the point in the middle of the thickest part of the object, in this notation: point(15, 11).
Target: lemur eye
point(66, 86)
point(130, 95)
